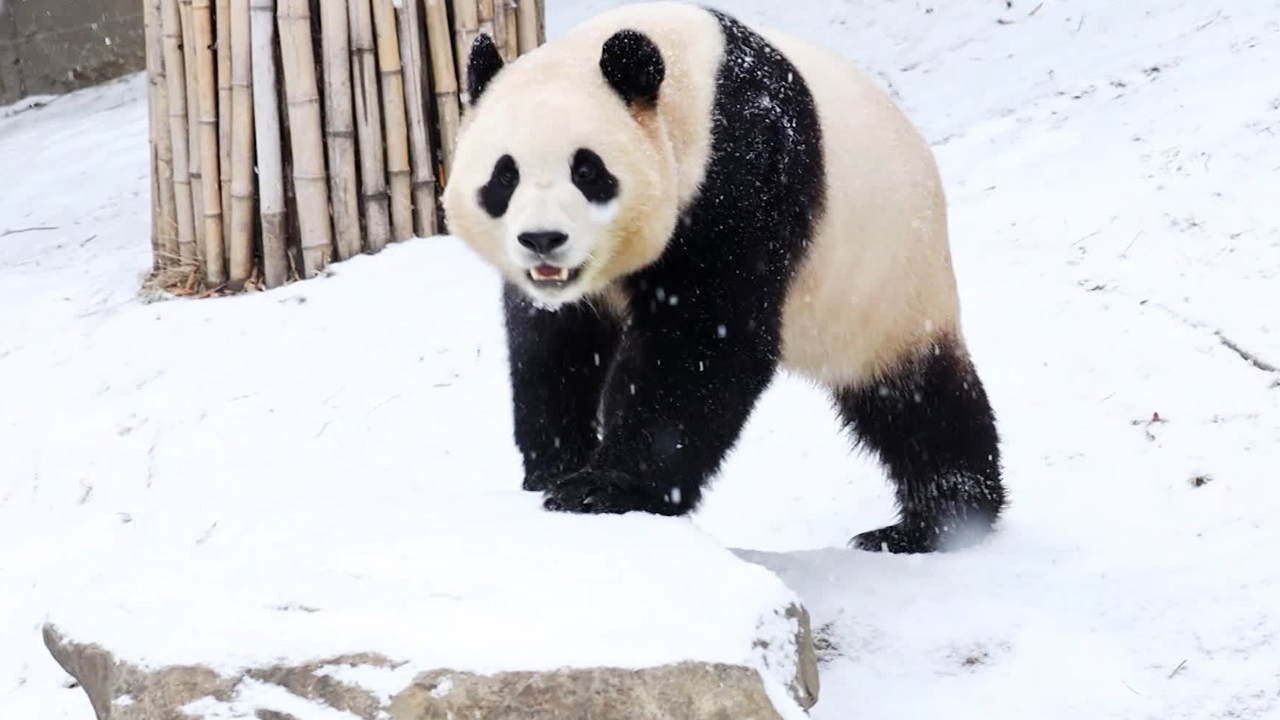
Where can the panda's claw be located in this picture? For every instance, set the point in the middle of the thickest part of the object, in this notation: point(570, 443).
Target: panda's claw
point(594, 492)
point(922, 537)
point(537, 482)
point(893, 539)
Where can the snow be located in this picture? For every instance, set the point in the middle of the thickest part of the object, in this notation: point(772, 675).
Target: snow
point(251, 696)
point(1111, 169)
point(436, 584)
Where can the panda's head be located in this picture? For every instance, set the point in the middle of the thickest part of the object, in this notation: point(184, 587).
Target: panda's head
point(562, 175)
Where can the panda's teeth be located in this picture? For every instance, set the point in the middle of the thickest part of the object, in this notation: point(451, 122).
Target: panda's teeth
point(540, 274)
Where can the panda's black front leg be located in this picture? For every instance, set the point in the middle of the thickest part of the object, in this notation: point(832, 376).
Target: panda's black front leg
point(558, 361)
point(675, 403)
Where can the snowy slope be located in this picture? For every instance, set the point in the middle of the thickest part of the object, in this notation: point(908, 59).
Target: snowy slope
point(1112, 169)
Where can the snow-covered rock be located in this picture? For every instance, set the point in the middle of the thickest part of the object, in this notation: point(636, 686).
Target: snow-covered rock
point(437, 614)
point(332, 690)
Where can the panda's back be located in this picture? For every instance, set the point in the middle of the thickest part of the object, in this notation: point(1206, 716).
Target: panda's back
point(878, 281)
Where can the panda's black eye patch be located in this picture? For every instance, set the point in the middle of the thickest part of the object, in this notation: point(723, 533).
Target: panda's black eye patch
point(592, 178)
point(496, 194)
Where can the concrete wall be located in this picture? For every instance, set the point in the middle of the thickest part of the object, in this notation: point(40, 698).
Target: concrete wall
point(52, 46)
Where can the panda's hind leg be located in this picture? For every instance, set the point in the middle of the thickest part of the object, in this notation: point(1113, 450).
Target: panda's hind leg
point(931, 425)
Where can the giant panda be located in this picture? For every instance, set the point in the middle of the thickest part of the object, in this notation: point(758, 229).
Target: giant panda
point(680, 205)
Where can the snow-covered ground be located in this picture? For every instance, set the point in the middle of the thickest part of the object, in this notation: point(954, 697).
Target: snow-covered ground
point(1113, 170)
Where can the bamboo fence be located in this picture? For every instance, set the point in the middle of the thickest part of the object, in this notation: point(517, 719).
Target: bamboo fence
point(290, 134)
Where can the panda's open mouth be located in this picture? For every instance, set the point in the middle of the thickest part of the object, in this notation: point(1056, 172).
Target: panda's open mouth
point(553, 275)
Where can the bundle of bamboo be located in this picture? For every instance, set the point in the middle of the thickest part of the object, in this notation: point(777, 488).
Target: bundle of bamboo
point(273, 155)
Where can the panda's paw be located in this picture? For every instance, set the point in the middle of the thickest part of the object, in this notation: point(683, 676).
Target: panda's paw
point(923, 536)
point(539, 481)
point(603, 491)
point(900, 538)
point(544, 476)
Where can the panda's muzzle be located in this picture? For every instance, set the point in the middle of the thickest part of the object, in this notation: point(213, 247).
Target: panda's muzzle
point(543, 244)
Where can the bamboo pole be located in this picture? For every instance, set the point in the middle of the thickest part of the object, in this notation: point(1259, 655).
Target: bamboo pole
point(527, 32)
point(444, 80)
point(373, 176)
point(193, 128)
point(302, 96)
point(266, 124)
point(164, 203)
point(512, 23)
point(542, 20)
point(216, 126)
point(394, 120)
point(484, 11)
point(340, 127)
point(155, 197)
point(240, 239)
point(215, 259)
point(424, 177)
point(149, 37)
point(466, 21)
point(222, 20)
point(177, 85)
point(499, 25)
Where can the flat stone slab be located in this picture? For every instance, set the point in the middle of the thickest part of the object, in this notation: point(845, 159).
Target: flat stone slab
point(630, 617)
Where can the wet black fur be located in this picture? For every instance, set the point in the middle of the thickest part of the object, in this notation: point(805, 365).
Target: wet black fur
point(558, 362)
point(633, 67)
point(483, 62)
point(931, 425)
point(613, 419)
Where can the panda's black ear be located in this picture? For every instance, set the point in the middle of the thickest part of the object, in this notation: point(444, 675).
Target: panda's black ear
point(483, 63)
point(633, 66)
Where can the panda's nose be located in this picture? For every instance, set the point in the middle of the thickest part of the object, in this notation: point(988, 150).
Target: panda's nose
point(542, 242)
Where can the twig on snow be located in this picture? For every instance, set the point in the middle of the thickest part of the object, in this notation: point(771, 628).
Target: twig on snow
point(1178, 669)
point(1086, 237)
point(1125, 252)
point(323, 427)
point(384, 402)
point(205, 537)
point(33, 228)
point(1249, 357)
point(1211, 21)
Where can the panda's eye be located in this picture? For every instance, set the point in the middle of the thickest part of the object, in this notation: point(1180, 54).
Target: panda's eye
point(592, 177)
point(496, 194)
point(505, 172)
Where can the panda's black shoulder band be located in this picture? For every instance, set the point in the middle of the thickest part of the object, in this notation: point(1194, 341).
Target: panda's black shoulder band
point(633, 65)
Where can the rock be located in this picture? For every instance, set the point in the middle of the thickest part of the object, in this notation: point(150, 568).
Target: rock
point(436, 615)
point(671, 692)
point(120, 690)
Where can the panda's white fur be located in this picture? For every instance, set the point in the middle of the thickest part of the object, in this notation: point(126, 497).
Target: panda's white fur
point(659, 160)
point(877, 281)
